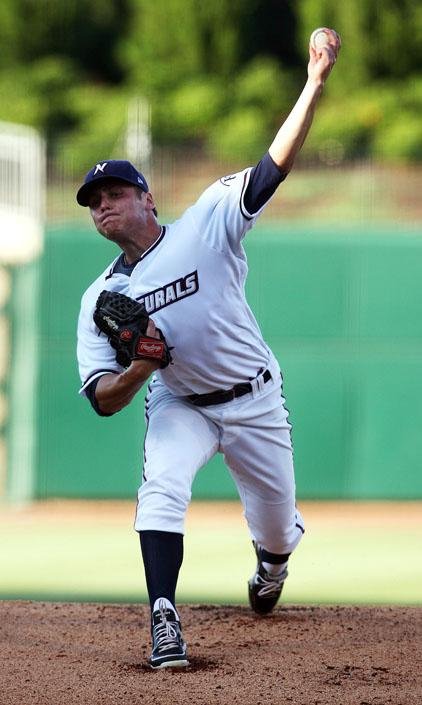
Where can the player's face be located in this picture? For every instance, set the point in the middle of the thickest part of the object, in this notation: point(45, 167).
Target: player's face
point(119, 210)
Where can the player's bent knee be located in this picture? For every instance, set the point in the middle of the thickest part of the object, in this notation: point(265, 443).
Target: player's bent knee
point(161, 509)
point(280, 541)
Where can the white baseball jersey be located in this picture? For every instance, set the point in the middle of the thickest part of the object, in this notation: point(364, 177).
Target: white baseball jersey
point(191, 281)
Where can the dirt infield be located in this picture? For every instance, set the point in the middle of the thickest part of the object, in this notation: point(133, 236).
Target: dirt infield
point(89, 654)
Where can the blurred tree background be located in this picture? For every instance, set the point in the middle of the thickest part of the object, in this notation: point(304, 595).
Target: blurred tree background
point(218, 75)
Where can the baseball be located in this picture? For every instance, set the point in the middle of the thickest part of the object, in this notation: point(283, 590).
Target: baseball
point(319, 38)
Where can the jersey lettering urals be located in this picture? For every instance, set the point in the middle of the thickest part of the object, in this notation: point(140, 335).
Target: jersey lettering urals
point(191, 281)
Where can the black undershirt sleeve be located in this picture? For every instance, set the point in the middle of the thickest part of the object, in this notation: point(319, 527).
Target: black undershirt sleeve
point(264, 179)
point(90, 393)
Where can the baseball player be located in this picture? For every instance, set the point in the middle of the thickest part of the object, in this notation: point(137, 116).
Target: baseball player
point(215, 384)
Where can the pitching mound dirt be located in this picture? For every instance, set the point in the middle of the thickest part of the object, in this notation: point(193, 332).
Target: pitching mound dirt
point(90, 654)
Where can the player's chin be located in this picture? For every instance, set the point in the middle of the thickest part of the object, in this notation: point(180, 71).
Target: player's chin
point(109, 230)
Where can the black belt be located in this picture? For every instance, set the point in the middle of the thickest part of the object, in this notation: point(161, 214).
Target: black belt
point(220, 396)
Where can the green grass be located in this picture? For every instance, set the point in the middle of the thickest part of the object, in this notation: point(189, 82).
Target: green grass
point(329, 566)
point(74, 560)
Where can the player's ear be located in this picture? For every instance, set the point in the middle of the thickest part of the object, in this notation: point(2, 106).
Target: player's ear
point(150, 201)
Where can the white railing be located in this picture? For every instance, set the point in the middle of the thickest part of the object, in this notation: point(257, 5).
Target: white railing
point(22, 193)
point(22, 208)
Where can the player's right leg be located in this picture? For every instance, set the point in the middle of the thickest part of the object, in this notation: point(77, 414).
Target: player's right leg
point(257, 448)
point(178, 441)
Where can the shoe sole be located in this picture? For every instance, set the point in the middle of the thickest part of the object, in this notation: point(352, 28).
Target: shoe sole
point(177, 663)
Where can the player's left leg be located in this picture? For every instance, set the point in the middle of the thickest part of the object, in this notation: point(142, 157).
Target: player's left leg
point(257, 448)
point(178, 441)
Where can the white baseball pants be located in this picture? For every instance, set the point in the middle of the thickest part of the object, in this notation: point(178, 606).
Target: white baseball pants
point(252, 432)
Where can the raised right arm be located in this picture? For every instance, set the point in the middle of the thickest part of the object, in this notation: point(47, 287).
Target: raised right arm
point(292, 133)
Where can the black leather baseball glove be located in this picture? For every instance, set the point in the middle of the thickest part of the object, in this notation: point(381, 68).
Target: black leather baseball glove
point(125, 321)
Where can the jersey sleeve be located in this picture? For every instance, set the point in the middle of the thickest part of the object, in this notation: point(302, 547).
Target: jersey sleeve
point(95, 355)
point(264, 179)
point(221, 213)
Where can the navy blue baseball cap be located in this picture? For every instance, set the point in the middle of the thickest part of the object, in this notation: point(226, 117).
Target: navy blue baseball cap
point(110, 169)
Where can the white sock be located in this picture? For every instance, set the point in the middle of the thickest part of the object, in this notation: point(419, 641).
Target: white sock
point(274, 569)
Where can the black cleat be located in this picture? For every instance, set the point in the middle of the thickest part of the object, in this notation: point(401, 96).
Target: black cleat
point(264, 589)
point(168, 647)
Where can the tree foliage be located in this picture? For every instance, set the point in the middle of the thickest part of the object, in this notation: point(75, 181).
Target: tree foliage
point(85, 31)
point(221, 74)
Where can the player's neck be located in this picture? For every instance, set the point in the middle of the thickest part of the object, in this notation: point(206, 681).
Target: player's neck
point(134, 250)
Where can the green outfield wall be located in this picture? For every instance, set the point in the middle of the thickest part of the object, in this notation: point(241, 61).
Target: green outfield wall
point(342, 310)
